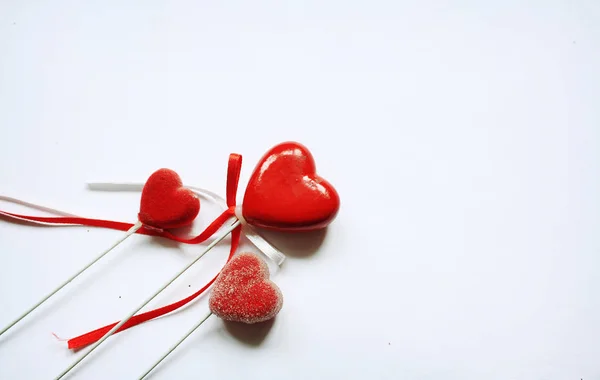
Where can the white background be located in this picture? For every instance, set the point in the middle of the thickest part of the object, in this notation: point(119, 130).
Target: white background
point(463, 138)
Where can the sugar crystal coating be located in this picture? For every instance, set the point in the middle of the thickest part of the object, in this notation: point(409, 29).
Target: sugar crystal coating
point(243, 291)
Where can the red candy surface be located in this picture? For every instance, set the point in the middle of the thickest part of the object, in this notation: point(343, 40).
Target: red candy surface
point(166, 203)
point(285, 193)
point(244, 293)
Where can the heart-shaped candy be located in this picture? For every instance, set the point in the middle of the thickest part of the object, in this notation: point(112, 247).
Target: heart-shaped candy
point(166, 203)
point(285, 193)
point(243, 291)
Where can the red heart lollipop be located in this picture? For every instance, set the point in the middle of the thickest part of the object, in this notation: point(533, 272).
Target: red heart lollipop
point(243, 291)
point(285, 192)
point(165, 203)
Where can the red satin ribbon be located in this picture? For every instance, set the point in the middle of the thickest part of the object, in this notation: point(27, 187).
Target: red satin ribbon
point(122, 226)
point(233, 176)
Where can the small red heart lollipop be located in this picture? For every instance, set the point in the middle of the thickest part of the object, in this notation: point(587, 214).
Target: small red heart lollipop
point(285, 193)
point(244, 293)
point(165, 203)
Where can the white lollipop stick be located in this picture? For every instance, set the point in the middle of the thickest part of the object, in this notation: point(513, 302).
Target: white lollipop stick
point(147, 301)
point(130, 232)
point(33, 205)
point(176, 345)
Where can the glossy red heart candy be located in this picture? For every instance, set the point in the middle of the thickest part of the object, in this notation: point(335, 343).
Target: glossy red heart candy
point(285, 192)
point(243, 291)
point(165, 203)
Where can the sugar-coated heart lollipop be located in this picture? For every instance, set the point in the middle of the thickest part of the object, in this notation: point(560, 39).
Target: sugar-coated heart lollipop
point(164, 204)
point(242, 293)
